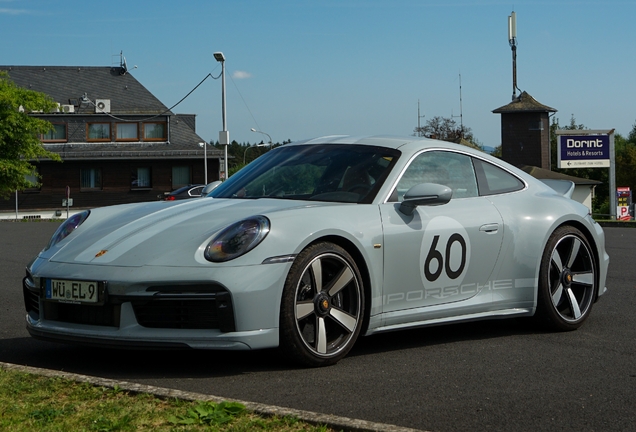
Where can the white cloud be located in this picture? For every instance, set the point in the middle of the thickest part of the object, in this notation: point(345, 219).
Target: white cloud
point(241, 75)
point(13, 11)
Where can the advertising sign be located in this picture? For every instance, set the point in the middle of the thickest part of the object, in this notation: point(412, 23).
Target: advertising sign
point(624, 198)
point(584, 151)
point(622, 213)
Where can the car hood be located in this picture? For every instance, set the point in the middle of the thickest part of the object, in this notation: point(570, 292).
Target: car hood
point(159, 233)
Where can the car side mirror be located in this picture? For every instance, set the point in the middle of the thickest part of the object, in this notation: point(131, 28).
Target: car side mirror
point(425, 194)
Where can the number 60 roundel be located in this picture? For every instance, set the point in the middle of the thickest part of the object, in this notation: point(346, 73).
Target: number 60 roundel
point(445, 253)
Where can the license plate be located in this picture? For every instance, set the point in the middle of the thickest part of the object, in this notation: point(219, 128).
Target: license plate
point(73, 291)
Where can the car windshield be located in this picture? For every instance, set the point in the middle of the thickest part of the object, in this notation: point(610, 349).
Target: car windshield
point(325, 172)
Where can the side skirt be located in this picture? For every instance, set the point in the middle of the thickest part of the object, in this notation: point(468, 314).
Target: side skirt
point(499, 314)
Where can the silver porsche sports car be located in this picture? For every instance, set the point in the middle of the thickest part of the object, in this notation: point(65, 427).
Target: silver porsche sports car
point(316, 243)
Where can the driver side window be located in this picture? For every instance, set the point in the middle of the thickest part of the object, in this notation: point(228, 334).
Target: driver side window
point(442, 167)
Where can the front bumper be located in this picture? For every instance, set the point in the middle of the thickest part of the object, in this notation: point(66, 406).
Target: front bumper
point(229, 308)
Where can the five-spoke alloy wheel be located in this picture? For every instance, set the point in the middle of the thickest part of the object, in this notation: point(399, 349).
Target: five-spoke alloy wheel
point(567, 280)
point(322, 306)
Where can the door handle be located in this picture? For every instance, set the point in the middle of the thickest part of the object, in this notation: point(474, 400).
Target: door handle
point(489, 228)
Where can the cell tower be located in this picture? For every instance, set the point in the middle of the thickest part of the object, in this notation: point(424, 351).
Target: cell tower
point(512, 40)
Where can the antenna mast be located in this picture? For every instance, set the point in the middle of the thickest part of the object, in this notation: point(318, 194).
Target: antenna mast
point(419, 128)
point(512, 40)
point(461, 111)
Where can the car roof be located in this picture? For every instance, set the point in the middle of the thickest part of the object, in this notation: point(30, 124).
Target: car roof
point(377, 140)
point(409, 145)
point(405, 144)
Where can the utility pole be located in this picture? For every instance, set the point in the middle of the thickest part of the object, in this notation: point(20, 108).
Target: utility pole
point(512, 40)
point(224, 135)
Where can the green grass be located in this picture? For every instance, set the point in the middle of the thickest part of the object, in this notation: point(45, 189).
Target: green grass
point(36, 403)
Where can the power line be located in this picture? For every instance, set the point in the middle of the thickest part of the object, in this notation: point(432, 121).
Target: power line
point(246, 106)
point(86, 99)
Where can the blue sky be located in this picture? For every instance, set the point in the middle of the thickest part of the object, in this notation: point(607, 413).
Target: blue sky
point(300, 69)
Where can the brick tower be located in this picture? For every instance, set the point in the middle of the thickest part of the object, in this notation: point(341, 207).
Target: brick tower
point(525, 132)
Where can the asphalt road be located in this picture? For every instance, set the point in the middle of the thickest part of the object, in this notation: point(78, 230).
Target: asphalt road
point(487, 376)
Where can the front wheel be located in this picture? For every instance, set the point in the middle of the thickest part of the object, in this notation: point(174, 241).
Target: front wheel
point(567, 280)
point(322, 306)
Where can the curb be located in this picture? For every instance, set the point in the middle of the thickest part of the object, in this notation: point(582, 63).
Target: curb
point(335, 422)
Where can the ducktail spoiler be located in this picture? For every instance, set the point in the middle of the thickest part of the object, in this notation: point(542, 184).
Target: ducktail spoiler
point(564, 187)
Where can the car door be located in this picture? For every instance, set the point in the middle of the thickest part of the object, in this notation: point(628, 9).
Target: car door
point(444, 253)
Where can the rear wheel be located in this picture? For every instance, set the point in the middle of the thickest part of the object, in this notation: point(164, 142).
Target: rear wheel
point(322, 306)
point(567, 280)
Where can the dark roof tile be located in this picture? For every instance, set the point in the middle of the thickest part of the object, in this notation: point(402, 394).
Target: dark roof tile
point(524, 103)
point(67, 83)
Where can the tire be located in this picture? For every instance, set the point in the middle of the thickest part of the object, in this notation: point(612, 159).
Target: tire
point(322, 307)
point(567, 280)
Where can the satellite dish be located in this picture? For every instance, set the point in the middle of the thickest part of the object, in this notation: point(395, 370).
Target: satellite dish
point(122, 64)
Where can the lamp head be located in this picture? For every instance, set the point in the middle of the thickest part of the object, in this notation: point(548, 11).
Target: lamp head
point(218, 56)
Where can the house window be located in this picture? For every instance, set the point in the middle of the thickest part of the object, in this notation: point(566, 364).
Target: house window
point(126, 132)
point(57, 134)
point(535, 125)
point(33, 179)
point(141, 178)
point(98, 132)
point(154, 131)
point(90, 178)
point(180, 176)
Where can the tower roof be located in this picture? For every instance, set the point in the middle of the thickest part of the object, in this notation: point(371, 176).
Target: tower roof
point(524, 103)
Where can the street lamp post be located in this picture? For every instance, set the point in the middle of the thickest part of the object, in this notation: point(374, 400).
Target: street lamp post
point(244, 153)
point(257, 131)
point(224, 135)
point(257, 145)
point(205, 160)
point(249, 147)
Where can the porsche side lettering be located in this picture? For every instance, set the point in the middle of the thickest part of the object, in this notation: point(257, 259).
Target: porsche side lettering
point(450, 291)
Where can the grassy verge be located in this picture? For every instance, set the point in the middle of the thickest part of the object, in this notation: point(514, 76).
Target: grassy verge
point(35, 403)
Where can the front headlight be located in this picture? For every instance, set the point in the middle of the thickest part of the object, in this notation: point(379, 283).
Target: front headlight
point(237, 239)
point(67, 227)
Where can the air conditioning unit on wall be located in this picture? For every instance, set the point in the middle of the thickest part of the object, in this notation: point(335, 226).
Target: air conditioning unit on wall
point(102, 106)
point(68, 108)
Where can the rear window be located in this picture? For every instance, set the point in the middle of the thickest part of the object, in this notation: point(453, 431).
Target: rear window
point(493, 180)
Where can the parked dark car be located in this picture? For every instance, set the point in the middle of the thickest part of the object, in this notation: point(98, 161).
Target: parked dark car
point(185, 192)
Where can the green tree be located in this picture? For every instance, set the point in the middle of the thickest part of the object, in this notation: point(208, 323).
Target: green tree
point(445, 129)
point(498, 152)
point(19, 134)
point(625, 151)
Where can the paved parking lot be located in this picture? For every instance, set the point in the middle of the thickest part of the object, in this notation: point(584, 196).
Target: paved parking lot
point(491, 375)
